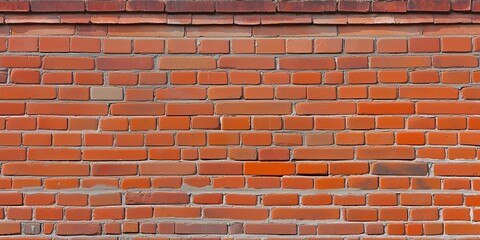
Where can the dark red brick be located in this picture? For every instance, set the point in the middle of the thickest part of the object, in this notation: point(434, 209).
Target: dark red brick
point(353, 6)
point(190, 6)
point(106, 6)
point(17, 6)
point(307, 6)
point(146, 5)
point(393, 6)
point(428, 5)
point(461, 5)
point(57, 6)
point(245, 6)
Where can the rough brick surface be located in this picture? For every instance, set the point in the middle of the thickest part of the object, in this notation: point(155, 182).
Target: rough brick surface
point(151, 119)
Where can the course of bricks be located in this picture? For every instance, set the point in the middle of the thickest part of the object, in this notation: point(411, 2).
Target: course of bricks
point(146, 119)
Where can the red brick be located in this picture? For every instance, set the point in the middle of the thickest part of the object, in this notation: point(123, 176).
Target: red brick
point(84, 109)
point(306, 64)
point(10, 228)
point(359, 45)
point(17, 6)
point(423, 5)
point(54, 6)
point(391, 45)
point(400, 62)
point(269, 168)
point(340, 229)
point(245, 63)
point(253, 6)
point(187, 6)
point(182, 228)
point(105, 6)
point(20, 61)
point(54, 44)
point(353, 6)
point(25, 76)
point(68, 229)
point(214, 46)
point(120, 63)
point(23, 44)
point(236, 214)
point(294, 6)
point(145, 5)
point(148, 45)
point(46, 169)
point(456, 44)
point(253, 108)
point(14, 92)
point(272, 228)
point(455, 61)
point(306, 214)
point(68, 63)
point(393, 6)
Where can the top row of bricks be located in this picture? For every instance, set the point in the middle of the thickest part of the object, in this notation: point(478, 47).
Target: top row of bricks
point(246, 6)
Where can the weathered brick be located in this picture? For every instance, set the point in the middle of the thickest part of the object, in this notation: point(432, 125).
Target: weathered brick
point(106, 93)
point(156, 198)
point(68, 229)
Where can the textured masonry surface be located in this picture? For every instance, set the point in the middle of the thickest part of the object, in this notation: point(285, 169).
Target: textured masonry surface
point(239, 119)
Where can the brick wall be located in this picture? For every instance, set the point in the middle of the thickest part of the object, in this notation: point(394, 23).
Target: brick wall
point(239, 120)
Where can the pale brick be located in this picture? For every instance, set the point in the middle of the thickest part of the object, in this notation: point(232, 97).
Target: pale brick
point(106, 93)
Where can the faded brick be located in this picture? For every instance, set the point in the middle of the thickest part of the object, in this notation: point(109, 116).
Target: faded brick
point(106, 93)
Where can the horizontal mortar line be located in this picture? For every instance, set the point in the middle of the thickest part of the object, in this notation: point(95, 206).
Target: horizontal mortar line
point(100, 190)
